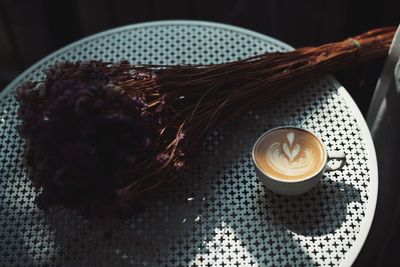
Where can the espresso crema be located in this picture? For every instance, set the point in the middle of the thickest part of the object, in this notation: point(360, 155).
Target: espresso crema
point(290, 153)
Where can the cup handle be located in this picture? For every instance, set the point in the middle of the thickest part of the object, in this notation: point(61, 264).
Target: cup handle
point(339, 155)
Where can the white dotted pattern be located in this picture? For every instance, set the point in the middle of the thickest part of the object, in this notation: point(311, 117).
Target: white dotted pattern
point(217, 214)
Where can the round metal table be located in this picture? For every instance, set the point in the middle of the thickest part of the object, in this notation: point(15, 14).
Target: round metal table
point(218, 213)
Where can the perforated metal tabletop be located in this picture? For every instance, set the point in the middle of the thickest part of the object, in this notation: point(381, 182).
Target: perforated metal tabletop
point(219, 213)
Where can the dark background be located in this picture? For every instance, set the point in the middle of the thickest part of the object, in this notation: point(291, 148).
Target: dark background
point(31, 29)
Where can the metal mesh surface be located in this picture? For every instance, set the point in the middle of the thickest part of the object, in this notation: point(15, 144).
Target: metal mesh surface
point(217, 214)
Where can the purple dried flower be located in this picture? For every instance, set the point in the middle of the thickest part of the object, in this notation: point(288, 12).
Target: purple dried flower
point(178, 165)
point(85, 140)
point(162, 158)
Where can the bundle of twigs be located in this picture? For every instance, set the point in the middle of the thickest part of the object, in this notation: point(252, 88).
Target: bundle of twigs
point(103, 136)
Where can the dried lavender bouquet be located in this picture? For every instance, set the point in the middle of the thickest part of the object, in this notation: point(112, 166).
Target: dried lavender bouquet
point(103, 137)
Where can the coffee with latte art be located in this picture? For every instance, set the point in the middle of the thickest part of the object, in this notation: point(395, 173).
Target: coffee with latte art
point(290, 153)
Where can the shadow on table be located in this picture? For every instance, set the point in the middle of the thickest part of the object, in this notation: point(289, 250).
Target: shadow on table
point(220, 212)
point(270, 235)
point(169, 232)
point(318, 212)
point(206, 230)
point(230, 218)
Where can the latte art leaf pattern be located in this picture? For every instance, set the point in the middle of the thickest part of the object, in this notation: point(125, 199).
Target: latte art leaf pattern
point(291, 153)
point(290, 137)
point(290, 158)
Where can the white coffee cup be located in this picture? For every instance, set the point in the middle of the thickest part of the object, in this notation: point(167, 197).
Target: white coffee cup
point(304, 183)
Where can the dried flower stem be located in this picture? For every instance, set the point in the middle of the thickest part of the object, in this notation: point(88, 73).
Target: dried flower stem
point(168, 109)
point(236, 86)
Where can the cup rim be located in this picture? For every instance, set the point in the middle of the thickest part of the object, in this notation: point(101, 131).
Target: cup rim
point(291, 180)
